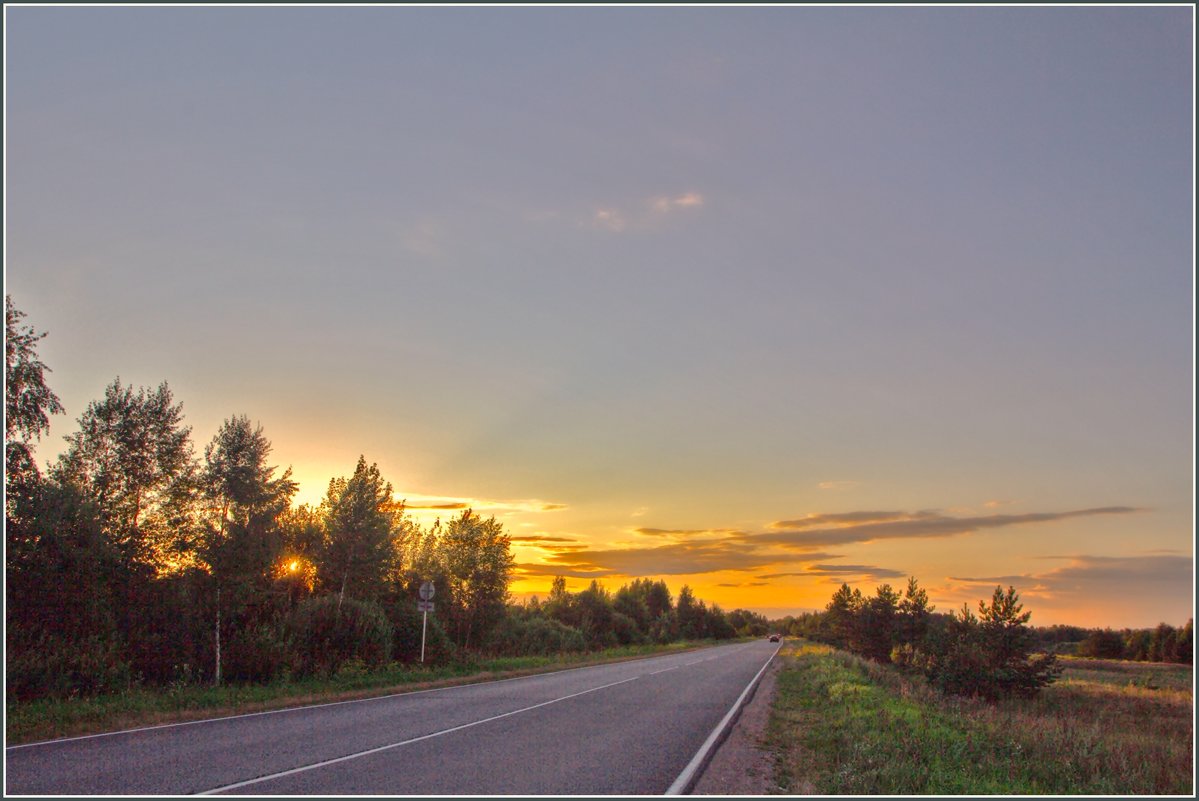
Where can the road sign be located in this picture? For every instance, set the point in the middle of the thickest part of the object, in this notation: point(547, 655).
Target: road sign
point(424, 605)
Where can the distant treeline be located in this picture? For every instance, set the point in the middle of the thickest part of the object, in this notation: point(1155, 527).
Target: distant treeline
point(1164, 643)
point(134, 560)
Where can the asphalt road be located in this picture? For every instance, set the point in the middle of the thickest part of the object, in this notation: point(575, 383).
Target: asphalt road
point(629, 728)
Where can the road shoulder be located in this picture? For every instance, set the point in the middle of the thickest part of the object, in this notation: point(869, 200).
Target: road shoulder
point(742, 765)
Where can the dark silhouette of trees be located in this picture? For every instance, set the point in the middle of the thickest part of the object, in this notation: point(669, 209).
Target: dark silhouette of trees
point(1105, 644)
point(988, 654)
point(28, 404)
point(132, 458)
point(241, 541)
point(477, 558)
point(360, 522)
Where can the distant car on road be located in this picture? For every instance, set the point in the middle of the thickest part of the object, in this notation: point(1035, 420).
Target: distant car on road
point(775, 637)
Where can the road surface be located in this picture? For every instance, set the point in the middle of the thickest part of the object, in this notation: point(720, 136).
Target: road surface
point(629, 728)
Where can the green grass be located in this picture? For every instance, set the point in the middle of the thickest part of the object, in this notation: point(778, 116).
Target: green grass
point(145, 706)
point(844, 726)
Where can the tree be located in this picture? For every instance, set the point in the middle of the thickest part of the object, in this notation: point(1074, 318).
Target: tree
point(875, 629)
point(478, 561)
point(360, 519)
point(132, 457)
point(837, 623)
point(989, 655)
point(242, 539)
point(914, 613)
point(28, 404)
point(1102, 644)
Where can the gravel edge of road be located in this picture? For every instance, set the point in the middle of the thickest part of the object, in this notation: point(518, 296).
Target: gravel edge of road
point(741, 764)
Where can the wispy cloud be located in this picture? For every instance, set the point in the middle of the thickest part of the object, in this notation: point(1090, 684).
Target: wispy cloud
point(866, 571)
point(837, 486)
point(534, 539)
point(664, 205)
point(679, 558)
point(425, 238)
point(1112, 590)
point(848, 519)
point(442, 506)
point(435, 503)
point(905, 525)
point(611, 219)
point(1116, 571)
point(643, 214)
point(688, 533)
point(532, 570)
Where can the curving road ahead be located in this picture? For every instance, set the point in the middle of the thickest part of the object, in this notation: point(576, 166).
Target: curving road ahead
point(629, 728)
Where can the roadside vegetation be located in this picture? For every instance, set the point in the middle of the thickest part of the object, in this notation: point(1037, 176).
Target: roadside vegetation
point(145, 579)
point(845, 725)
point(50, 718)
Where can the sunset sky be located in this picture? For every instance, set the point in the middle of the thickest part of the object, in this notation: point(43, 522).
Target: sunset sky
point(757, 300)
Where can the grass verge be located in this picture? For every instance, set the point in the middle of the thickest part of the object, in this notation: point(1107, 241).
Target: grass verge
point(48, 719)
point(844, 726)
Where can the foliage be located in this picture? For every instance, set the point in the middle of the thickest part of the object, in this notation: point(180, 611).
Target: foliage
point(476, 557)
point(57, 666)
point(259, 652)
point(132, 457)
point(329, 631)
point(360, 522)
point(519, 635)
point(406, 623)
point(989, 655)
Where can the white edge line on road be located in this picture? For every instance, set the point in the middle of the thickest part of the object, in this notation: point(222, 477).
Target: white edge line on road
point(318, 706)
point(370, 751)
point(701, 756)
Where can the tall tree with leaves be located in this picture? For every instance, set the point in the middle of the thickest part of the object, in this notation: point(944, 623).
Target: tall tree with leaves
point(360, 552)
point(132, 457)
point(478, 561)
point(241, 540)
point(28, 404)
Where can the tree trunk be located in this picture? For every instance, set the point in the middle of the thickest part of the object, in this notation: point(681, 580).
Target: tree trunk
point(217, 672)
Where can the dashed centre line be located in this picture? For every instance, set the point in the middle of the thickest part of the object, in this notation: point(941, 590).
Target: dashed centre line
point(369, 751)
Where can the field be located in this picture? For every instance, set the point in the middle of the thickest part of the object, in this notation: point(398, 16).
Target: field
point(845, 726)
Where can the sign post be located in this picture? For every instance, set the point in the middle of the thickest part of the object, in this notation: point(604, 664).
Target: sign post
point(424, 605)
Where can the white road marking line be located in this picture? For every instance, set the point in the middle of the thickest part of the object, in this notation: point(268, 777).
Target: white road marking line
point(370, 751)
point(318, 706)
point(665, 670)
point(701, 756)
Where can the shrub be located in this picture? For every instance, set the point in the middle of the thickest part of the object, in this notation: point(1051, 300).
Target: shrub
point(259, 653)
point(327, 633)
point(406, 624)
point(986, 656)
point(534, 636)
point(60, 667)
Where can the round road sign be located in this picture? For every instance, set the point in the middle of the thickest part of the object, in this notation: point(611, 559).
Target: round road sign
point(426, 591)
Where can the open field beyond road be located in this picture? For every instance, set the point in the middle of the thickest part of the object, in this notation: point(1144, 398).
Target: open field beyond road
point(841, 725)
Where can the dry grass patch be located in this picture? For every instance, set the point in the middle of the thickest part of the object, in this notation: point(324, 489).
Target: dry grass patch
point(847, 726)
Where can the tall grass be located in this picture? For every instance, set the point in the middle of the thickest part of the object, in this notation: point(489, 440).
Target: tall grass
point(842, 725)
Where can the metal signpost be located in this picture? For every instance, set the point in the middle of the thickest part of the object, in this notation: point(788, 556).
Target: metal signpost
point(425, 604)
